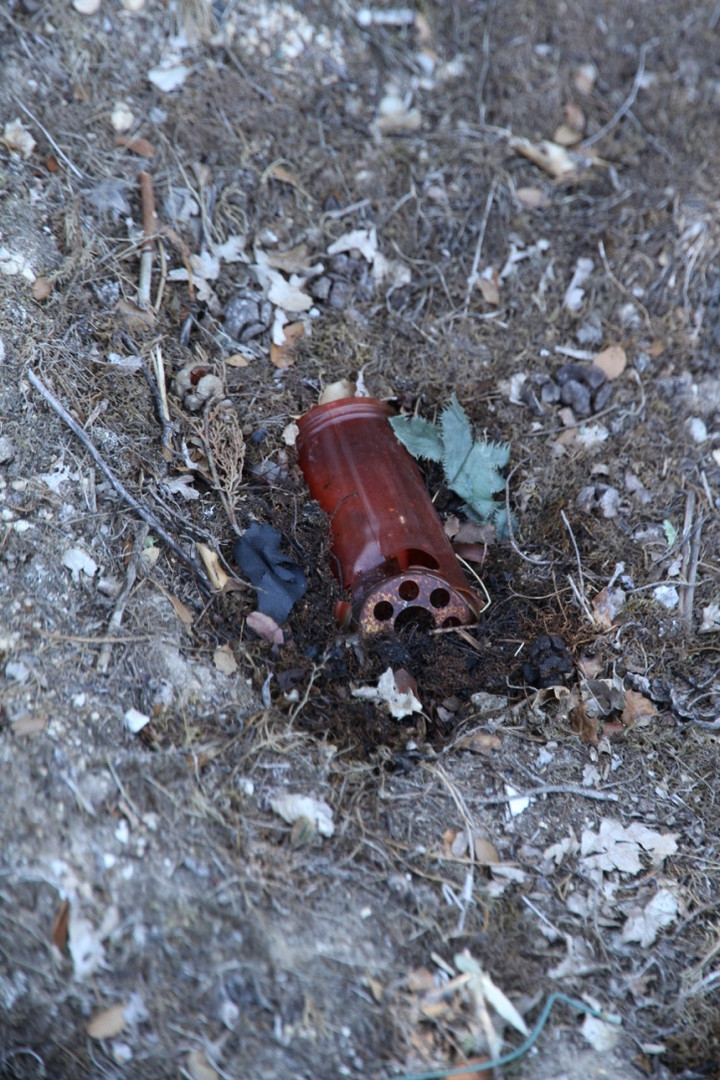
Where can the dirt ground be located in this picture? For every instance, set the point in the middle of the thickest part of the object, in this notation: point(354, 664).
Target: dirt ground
point(469, 197)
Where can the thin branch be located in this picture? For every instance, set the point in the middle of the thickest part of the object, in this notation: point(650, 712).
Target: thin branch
point(124, 494)
point(150, 225)
point(103, 660)
point(60, 153)
point(627, 103)
point(478, 248)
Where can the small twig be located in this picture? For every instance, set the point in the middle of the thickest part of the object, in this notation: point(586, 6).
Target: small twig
point(690, 559)
point(511, 531)
point(63, 156)
point(149, 220)
point(125, 495)
point(578, 590)
point(478, 248)
point(103, 660)
point(549, 789)
point(627, 103)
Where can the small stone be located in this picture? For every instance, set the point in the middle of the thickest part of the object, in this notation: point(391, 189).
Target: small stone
point(601, 396)
point(15, 669)
point(7, 450)
point(590, 330)
point(697, 429)
point(247, 317)
point(577, 396)
point(135, 720)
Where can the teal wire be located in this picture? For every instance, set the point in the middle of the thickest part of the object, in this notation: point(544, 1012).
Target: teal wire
point(506, 1059)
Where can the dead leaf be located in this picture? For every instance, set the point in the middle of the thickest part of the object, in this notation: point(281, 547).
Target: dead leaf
point(199, 1067)
point(265, 627)
point(638, 709)
point(18, 139)
point(284, 176)
point(224, 660)
point(644, 924)
point(42, 287)
point(59, 926)
point(292, 807)
point(108, 1023)
point(612, 361)
point(583, 725)
point(486, 854)
point(476, 553)
point(533, 197)
point(183, 613)
point(283, 356)
point(136, 144)
point(420, 980)
point(480, 742)
point(473, 1073)
point(237, 360)
point(211, 561)
point(607, 605)
point(134, 319)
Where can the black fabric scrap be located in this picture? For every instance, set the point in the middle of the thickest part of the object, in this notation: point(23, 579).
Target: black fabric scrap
point(279, 581)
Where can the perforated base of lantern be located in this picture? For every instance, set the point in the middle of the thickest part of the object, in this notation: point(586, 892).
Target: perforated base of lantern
point(415, 598)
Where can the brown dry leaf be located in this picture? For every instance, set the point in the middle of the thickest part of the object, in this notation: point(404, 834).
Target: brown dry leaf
point(476, 553)
point(405, 681)
point(28, 725)
point(638, 709)
point(490, 286)
point(211, 561)
point(420, 980)
point(375, 987)
point(42, 287)
point(136, 145)
point(486, 854)
point(473, 1073)
point(135, 320)
point(612, 361)
point(607, 605)
point(480, 742)
point(283, 356)
point(283, 175)
point(237, 360)
point(108, 1023)
point(583, 725)
point(183, 613)
point(657, 348)
point(448, 839)
point(199, 1067)
point(533, 197)
point(295, 260)
point(224, 660)
point(59, 926)
point(265, 627)
point(566, 136)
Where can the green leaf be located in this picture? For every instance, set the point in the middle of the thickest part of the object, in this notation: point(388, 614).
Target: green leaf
point(457, 438)
point(418, 436)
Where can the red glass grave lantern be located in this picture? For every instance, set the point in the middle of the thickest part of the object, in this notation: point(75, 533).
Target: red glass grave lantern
point(390, 551)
